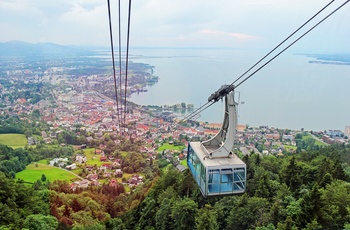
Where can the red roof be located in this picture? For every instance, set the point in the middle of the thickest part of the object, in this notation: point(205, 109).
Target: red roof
point(142, 127)
point(107, 165)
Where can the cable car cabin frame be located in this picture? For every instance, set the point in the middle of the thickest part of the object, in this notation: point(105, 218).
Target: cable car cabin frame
point(214, 167)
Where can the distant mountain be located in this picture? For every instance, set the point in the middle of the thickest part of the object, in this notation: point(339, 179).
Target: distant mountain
point(20, 48)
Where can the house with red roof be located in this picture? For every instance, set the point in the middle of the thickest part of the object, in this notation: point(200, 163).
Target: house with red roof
point(113, 183)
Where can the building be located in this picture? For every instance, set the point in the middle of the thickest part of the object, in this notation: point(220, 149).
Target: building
point(118, 173)
point(71, 167)
point(33, 141)
point(80, 159)
point(347, 131)
point(334, 133)
point(181, 168)
point(60, 162)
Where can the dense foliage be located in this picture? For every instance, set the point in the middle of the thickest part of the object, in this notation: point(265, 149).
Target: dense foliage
point(13, 161)
point(15, 124)
point(310, 190)
point(23, 207)
point(96, 206)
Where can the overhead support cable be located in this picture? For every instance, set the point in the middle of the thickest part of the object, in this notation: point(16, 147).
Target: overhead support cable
point(127, 61)
point(121, 120)
point(199, 111)
point(224, 90)
point(187, 117)
point(112, 48)
point(120, 55)
point(295, 41)
point(283, 41)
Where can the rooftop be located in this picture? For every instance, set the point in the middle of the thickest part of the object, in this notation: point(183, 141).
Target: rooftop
point(234, 160)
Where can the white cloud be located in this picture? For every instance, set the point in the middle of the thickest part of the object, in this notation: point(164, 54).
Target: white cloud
point(237, 36)
point(85, 16)
point(162, 22)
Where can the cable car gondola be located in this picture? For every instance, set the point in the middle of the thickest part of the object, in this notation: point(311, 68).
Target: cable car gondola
point(215, 168)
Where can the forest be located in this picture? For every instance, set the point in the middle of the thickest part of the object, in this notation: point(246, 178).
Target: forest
point(307, 190)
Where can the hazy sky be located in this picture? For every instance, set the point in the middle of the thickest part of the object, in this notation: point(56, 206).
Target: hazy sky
point(180, 23)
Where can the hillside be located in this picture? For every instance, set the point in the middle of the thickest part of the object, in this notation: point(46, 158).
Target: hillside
point(20, 48)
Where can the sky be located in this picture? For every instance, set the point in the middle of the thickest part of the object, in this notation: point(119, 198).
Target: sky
point(256, 24)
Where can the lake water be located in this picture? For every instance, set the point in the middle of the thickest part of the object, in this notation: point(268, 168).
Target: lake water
point(287, 93)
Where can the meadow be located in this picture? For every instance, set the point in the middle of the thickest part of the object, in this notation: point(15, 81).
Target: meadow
point(170, 147)
point(13, 140)
point(290, 147)
point(33, 173)
point(92, 158)
point(317, 142)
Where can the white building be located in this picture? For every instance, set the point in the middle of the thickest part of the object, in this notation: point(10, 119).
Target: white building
point(72, 166)
point(347, 131)
point(60, 162)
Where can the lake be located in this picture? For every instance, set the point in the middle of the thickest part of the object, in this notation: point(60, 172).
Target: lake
point(289, 92)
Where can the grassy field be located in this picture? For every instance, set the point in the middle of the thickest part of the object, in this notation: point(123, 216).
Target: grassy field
point(92, 158)
point(13, 140)
point(184, 162)
point(42, 162)
point(170, 147)
point(32, 173)
point(317, 142)
point(290, 147)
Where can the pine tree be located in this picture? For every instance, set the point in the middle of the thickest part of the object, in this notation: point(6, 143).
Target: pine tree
point(291, 175)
